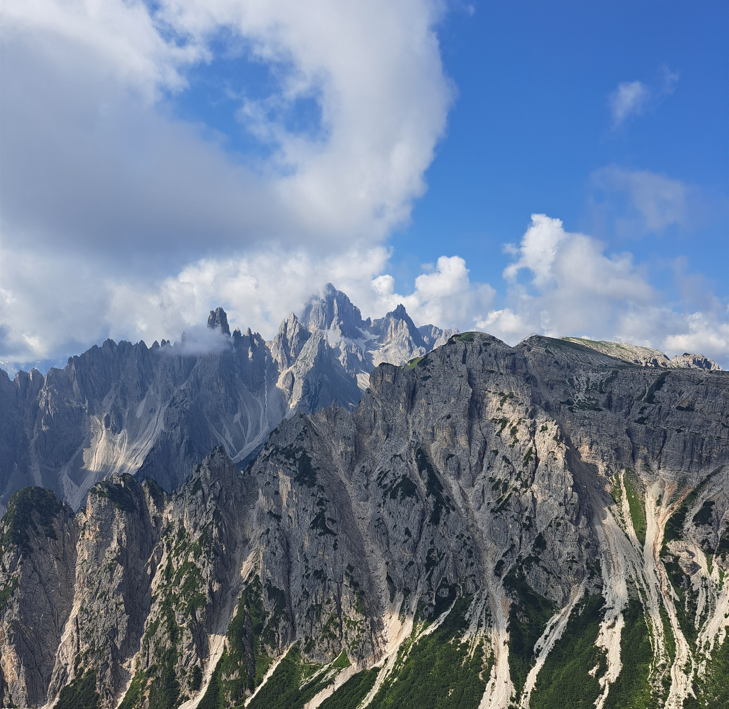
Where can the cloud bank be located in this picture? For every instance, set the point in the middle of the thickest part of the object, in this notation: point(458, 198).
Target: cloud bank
point(93, 158)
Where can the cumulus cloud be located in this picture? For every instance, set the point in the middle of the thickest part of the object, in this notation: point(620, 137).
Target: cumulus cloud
point(198, 340)
point(570, 285)
point(702, 332)
point(633, 98)
point(445, 296)
point(96, 158)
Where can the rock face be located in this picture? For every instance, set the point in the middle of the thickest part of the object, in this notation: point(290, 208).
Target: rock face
point(157, 411)
point(38, 544)
point(695, 361)
point(536, 526)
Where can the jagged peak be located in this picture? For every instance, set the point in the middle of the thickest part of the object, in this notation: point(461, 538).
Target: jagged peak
point(695, 361)
point(387, 326)
point(333, 309)
point(288, 325)
point(218, 320)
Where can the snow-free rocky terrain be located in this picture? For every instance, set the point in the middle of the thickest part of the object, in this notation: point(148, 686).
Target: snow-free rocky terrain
point(157, 411)
point(536, 526)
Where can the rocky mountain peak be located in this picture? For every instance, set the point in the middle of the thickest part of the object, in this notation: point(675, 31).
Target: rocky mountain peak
point(218, 320)
point(397, 324)
point(333, 310)
point(289, 341)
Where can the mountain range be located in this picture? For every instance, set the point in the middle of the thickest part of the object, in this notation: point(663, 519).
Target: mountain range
point(545, 526)
point(157, 411)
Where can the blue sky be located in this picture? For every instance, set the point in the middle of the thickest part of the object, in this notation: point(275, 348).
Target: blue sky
point(160, 159)
point(532, 124)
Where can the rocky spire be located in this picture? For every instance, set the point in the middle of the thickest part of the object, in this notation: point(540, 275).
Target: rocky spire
point(218, 320)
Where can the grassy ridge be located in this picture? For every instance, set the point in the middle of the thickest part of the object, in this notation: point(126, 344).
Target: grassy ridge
point(287, 687)
point(244, 661)
point(33, 507)
point(528, 617)
point(635, 504)
point(712, 690)
point(353, 691)
point(80, 694)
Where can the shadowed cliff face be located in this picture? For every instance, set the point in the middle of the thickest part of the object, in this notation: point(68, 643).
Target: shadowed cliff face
point(157, 411)
point(527, 526)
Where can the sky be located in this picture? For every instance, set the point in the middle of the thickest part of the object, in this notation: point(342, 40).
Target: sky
point(515, 167)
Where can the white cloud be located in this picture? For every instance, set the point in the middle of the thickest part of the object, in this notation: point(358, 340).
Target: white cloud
point(630, 98)
point(633, 98)
point(538, 249)
point(117, 171)
point(100, 180)
point(444, 297)
point(573, 287)
point(702, 333)
point(655, 202)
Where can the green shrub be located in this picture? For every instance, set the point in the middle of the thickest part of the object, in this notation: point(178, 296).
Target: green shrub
point(80, 693)
point(30, 508)
point(635, 504)
point(438, 672)
point(353, 691)
point(528, 617)
point(631, 689)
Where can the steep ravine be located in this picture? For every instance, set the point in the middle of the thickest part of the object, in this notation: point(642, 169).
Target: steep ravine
point(537, 526)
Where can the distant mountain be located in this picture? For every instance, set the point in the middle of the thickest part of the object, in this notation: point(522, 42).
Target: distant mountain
point(491, 526)
point(647, 356)
point(157, 411)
